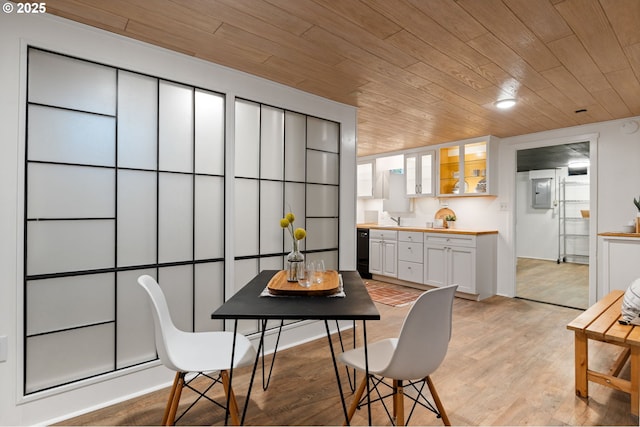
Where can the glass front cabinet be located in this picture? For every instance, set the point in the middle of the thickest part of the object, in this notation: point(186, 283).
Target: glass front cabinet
point(465, 168)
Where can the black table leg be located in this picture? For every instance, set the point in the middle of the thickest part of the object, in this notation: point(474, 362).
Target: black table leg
point(265, 383)
point(233, 355)
point(352, 384)
point(253, 371)
point(366, 367)
point(335, 367)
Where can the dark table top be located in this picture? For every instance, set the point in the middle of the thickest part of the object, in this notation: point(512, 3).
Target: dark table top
point(248, 304)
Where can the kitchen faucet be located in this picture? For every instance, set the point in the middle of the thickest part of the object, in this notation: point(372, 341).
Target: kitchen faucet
point(397, 221)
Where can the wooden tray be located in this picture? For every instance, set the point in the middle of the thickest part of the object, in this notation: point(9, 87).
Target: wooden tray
point(278, 285)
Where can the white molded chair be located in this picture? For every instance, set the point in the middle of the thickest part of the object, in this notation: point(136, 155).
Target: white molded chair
point(412, 357)
point(202, 353)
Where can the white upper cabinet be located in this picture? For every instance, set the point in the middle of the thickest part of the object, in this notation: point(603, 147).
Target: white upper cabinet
point(366, 172)
point(418, 169)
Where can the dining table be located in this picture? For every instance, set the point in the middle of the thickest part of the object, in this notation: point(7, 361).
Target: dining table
point(351, 302)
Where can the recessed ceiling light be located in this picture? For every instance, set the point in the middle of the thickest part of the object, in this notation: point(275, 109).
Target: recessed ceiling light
point(503, 104)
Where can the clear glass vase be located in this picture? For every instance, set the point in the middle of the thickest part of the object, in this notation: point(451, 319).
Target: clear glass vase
point(295, 263)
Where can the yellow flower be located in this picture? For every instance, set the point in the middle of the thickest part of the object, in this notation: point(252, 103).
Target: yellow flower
point(299, 234)
point(287, 223)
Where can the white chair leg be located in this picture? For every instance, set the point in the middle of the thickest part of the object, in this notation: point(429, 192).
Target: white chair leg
point(438, 402)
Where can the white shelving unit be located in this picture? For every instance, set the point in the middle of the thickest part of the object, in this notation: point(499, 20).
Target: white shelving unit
point(573, 230)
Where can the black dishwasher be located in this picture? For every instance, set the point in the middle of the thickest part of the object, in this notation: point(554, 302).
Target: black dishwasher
point(363, 253)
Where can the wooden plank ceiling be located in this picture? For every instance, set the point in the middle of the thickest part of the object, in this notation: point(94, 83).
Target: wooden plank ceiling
point(421, 72)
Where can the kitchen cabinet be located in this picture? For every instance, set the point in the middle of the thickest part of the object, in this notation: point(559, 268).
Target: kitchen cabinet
point(383, 252)
point(410, 256)
point(620, 254)
point(419, 169)
point(417, 256)
point(366, 173)
point(465, 168)
point(468, 261)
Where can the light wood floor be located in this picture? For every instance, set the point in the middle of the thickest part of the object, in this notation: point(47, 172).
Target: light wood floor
point(510, 362)
point(547, 281)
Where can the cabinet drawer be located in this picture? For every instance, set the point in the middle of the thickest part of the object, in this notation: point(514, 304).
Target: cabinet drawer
point(451, 239)
point(383, 234)
point(410, 252)
point(411, 236)
point(410, 271)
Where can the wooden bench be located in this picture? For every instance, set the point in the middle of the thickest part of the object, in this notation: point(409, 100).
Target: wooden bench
point(600, 323)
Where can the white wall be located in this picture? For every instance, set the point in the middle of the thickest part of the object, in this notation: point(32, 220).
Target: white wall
point(58, 35)
point(537, 229)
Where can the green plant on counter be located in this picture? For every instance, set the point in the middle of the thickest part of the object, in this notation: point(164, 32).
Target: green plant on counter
point(453, 217)
point(637, 203)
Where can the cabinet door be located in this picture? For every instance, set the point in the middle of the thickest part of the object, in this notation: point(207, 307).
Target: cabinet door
point(464, 169)
point(620, 263)
point(475, 168)
point(366, 172)
point(425, 172)
point(449, 170)
point(375, 256)
point(390, 259)
point(418, 169)
point(462, 267)
point(411, 174)
point(435, 265)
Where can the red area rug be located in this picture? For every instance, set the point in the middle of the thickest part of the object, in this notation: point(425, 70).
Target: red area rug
point(394, 295)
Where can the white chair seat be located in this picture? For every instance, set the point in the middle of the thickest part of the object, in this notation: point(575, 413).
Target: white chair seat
point(379, 352)
point(210, 351)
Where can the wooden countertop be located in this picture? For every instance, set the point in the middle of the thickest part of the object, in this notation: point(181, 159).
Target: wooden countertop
point(428, 230)
point(619, 234)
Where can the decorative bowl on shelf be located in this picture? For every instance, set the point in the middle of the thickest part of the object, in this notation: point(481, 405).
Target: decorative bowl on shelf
point(628, 229)
point(482, 186)
point(584, 213)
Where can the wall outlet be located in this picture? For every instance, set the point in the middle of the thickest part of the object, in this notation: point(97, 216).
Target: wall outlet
point(4, 344)
point(504, 206)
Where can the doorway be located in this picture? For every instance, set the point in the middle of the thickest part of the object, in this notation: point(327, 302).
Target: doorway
point(552, 224)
